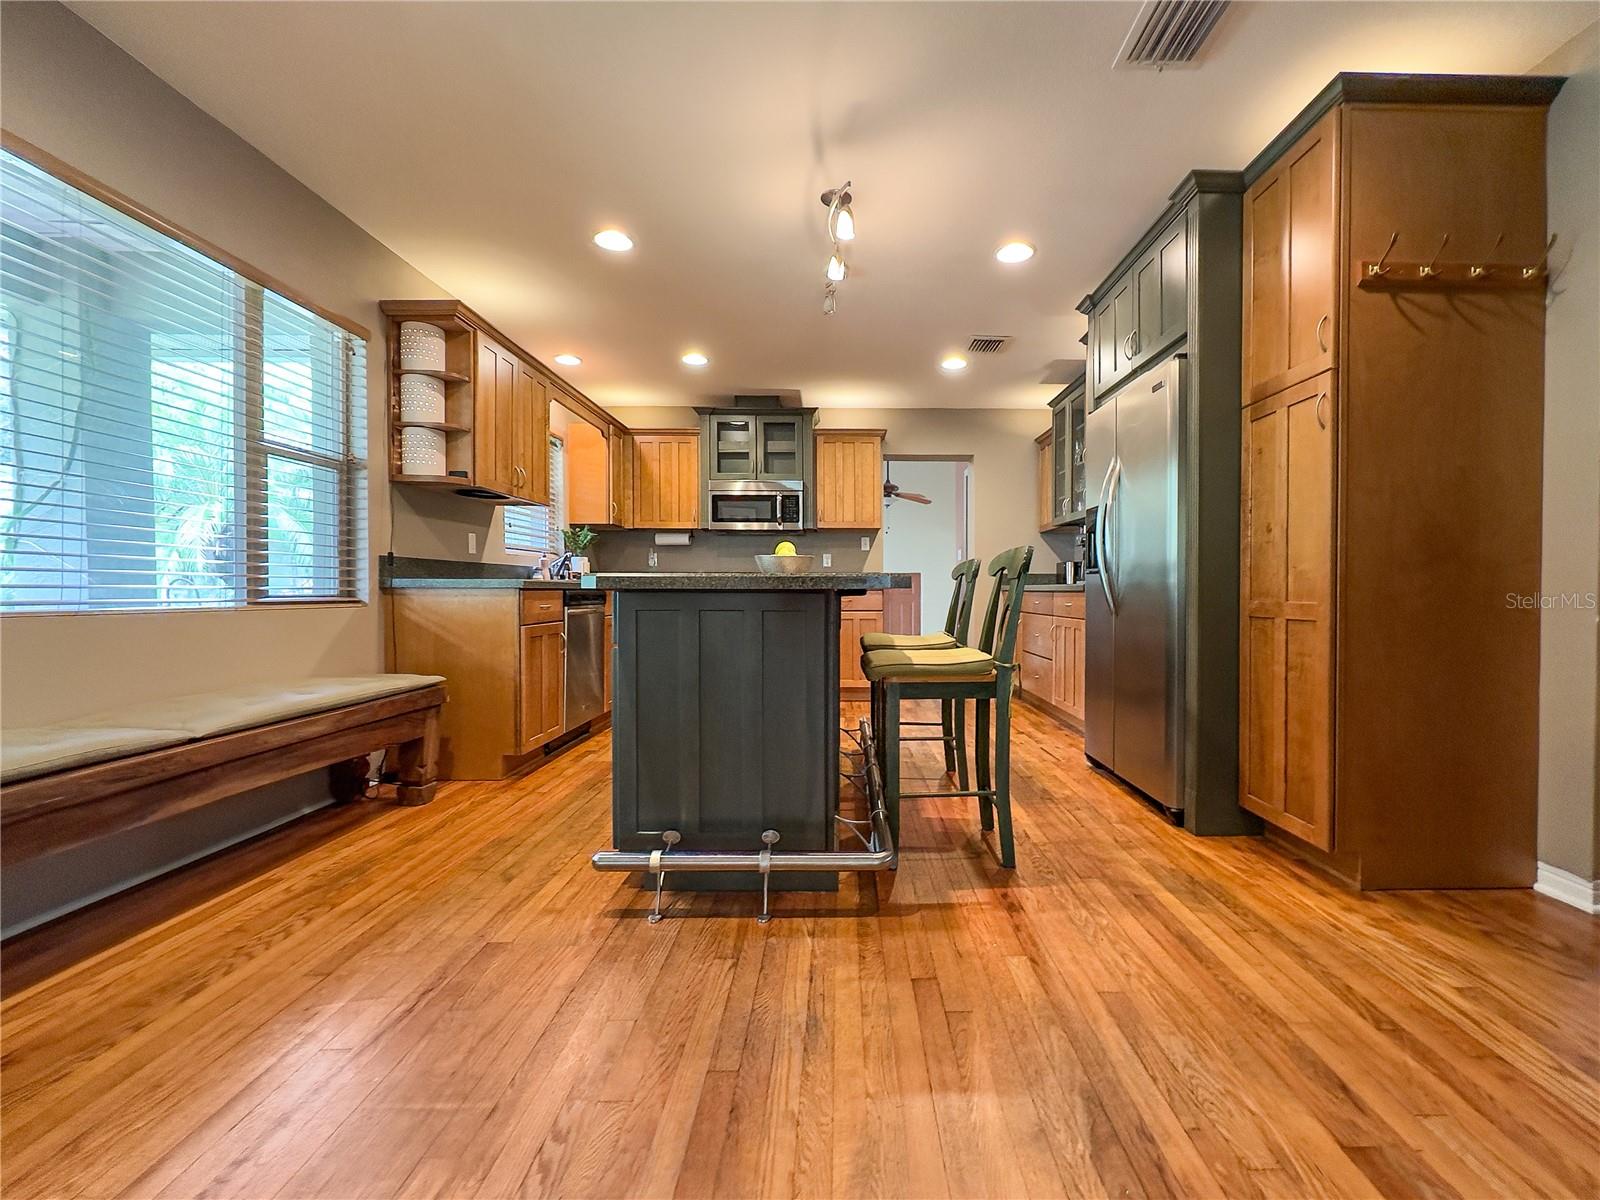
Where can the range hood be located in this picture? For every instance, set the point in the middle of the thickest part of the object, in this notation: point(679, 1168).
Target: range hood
point(768, 400)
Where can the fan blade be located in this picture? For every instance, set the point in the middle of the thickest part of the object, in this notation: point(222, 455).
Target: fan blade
point(914, 498)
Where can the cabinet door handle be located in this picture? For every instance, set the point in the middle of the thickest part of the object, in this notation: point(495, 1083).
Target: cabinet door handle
point(1321, 396)
point(1127, 345)
point(1322, 324)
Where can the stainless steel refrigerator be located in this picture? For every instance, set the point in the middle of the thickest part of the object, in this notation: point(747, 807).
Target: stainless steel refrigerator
point(1134, 583)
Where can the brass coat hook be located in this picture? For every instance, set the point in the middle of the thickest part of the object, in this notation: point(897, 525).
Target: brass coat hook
point(1378, 268)
point(1543, 264)
point(1429, 269)
point(1483, 270)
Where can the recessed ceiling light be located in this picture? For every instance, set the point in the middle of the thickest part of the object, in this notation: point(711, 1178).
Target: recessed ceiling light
point(569, 360)
point(695, 359)
point(1015, 252)
point(614, 240)
point(953, 362)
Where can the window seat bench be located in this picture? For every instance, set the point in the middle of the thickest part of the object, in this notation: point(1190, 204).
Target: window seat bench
point(70, 782)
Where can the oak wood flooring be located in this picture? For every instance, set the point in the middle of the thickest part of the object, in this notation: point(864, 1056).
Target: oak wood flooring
point(448, 1002)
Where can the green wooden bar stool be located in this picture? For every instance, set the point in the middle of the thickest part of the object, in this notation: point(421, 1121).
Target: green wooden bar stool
point(952, 720)
point(985, 673)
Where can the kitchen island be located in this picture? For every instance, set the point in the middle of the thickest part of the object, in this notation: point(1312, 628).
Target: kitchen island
point(726, 720)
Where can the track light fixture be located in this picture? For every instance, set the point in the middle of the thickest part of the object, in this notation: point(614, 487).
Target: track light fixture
point(841, 228)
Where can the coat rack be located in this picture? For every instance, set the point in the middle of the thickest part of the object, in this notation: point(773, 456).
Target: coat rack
point(1384, 275)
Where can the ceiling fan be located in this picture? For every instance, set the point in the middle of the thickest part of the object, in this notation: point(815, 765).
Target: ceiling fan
point(892, 492)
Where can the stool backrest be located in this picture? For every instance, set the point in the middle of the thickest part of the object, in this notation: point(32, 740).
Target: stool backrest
point(1010, 571)
point(958, 623)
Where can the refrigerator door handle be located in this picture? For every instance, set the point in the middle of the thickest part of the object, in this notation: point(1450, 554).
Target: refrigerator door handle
point(1108, 503)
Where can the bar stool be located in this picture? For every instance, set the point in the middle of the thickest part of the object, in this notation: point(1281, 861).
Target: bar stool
point(985, 674)
point(957, 623)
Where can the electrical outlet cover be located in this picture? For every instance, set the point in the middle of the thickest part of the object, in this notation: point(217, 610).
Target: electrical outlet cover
point(472, 543)
point(866, 542)
point(827, 559)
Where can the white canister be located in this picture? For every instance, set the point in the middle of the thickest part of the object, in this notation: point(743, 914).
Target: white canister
point(421, 346)
point(580, 564)
point(421, 451)
point(422, 399)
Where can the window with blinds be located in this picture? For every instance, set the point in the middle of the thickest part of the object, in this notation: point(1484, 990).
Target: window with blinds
point(172, 434)
point(536, 528)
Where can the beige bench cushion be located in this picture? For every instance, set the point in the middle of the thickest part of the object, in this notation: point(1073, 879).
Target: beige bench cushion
point(155, 724)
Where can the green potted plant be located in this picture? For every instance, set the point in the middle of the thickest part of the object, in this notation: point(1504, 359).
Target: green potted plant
point(577, 543)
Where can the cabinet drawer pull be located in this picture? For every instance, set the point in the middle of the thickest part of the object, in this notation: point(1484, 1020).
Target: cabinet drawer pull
point(1321, 396)
point(1322, 324)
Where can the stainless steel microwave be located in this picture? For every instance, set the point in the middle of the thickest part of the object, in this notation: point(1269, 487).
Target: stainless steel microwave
point(755, 504)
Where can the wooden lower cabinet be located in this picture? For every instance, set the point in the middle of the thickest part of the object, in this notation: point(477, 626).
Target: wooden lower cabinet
point(541, 684)
point(899, 611)
point(857, 615)
point(1285, 604)
point(503, 655)
point(1050, 653)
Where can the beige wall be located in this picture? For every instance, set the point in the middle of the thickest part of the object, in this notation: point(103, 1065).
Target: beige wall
point(1569, 671)
point(1004, 483)
point(69, 91)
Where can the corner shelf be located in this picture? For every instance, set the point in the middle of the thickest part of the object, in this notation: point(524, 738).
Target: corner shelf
point(442, 426)
point(447, 376)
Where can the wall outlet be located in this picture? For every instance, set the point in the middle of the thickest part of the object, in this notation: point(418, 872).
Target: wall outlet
point(827, 559)
point(653, 559)
point(472, 543)
point(866, 543)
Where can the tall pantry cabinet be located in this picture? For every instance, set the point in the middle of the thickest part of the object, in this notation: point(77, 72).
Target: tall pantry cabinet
point(1393, 342)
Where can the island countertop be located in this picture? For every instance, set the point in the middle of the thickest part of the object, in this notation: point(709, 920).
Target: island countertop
point(749, 581)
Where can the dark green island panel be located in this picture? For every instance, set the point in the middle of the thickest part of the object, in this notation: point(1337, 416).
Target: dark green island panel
point(725, 716)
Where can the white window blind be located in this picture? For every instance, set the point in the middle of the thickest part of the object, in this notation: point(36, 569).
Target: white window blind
point(536, 528)
point(172, 435)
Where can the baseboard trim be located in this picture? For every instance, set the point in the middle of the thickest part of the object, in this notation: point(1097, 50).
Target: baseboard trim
point(1568, 888)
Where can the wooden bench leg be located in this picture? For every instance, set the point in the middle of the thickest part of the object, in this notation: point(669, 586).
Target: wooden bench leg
point(419, 764)
point(347, 780)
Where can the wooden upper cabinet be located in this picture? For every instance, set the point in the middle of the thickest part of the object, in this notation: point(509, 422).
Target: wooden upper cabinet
point(621, 478)
point(497, 407)
point(530, 453)
point(493, 384)
point(1286, 609)
point(666, 478)
point(1290, 252)
point(511, 424)
point(1046, 480)
point(849, 478)
point(587, 454)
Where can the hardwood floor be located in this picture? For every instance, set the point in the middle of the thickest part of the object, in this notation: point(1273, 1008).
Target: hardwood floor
point(449, 1002)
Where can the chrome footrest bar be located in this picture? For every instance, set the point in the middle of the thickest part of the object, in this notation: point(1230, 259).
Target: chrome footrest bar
point(879, 853)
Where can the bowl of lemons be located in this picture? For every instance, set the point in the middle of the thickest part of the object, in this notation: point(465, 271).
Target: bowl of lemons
point(784, 561)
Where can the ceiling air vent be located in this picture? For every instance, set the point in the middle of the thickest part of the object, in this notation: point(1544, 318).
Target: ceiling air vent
point(988, 345)
point(1169, 33)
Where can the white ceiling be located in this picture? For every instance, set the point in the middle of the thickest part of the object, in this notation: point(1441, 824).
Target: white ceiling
point(485, 143)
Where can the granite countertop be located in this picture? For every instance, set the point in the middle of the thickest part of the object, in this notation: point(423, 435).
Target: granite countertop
point(749, 581)
point(407, 583)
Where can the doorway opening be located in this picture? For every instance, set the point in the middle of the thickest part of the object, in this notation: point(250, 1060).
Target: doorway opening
point(928, 538)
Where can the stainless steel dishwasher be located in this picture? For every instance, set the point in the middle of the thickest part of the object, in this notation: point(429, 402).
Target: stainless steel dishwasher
point(585, 627)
